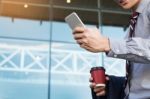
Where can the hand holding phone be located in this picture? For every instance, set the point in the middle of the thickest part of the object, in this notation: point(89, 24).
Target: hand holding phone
point(74, 21)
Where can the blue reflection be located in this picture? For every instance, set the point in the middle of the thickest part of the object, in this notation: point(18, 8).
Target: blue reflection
point(22, 28)
point(114, 32)
point(70, 92)
point(27, 85)
point(23, 63)
point(62, 32)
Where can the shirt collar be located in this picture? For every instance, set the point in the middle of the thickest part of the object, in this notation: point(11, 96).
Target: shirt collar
point(142, 5)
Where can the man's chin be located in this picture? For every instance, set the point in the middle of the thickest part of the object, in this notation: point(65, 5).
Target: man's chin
point(126, 7)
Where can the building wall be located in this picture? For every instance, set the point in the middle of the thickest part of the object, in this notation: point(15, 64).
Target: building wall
point(39, 58)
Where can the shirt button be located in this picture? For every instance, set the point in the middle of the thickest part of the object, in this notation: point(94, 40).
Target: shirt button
point(140, 54)
point(117, 51)
point(115, 55)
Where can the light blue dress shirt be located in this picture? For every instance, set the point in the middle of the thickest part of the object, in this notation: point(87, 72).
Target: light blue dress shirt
point(137, 50)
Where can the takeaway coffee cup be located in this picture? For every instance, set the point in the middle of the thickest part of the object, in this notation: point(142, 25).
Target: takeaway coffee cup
point(98, 75)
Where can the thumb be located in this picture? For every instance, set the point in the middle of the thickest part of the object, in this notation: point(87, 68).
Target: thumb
point(107, 78)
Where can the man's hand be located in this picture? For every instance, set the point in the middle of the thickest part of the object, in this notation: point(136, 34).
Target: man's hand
point(100, 91)
point(91, 39)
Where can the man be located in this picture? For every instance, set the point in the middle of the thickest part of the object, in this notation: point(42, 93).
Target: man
point(135, 48)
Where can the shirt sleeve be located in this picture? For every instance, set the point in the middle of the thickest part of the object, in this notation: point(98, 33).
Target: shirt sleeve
point(148, 12)
point(132, 49)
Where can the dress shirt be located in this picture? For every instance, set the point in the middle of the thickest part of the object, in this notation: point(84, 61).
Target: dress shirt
point(137, 50)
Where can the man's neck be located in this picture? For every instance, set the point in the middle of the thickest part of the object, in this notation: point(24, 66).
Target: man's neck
point(136, 5)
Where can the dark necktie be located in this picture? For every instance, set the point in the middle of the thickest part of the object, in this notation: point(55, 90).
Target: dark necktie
point(133, 22)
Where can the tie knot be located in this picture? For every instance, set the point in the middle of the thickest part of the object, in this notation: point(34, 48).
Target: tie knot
point(135, 15)
point(133, 22)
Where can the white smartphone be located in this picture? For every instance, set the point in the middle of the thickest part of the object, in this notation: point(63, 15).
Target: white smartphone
point(74, 21)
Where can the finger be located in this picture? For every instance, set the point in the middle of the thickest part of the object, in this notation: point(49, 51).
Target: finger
point(107, 78)
point(78, 30)
point(99, 89)
point(92, 85)
point(102, 93)
point(82, 41)
point(83, 45)
point(91, 79)
point(78, 36)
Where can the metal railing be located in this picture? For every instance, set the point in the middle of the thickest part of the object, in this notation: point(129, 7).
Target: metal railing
point(67, 65)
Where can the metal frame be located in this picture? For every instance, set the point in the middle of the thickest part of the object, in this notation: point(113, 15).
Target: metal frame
point(67, 63)
point(72, 8)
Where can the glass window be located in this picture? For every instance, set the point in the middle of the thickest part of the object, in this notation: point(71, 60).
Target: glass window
point(70, 64)
point(25, 29)
point(116, 30)
point(76, 3)
point(61, 31)
point(114, 66)
point(70, 71)
point(30, 2)
point(39, 59)
point(110, 5)
point(24, 48)
point(24, 69)
point(115, 19)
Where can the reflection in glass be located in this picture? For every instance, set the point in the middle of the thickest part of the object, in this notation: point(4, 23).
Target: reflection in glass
point(76, 3)
point(24, 69)
point(62, 32)
point(24, 58)
point(25, 29)
point(114, 66)
point(70, 71)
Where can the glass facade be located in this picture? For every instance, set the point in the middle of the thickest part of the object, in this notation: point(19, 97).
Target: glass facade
point(39, 59)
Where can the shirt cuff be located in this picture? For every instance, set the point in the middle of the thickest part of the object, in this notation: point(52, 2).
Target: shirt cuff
point(117, 47)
